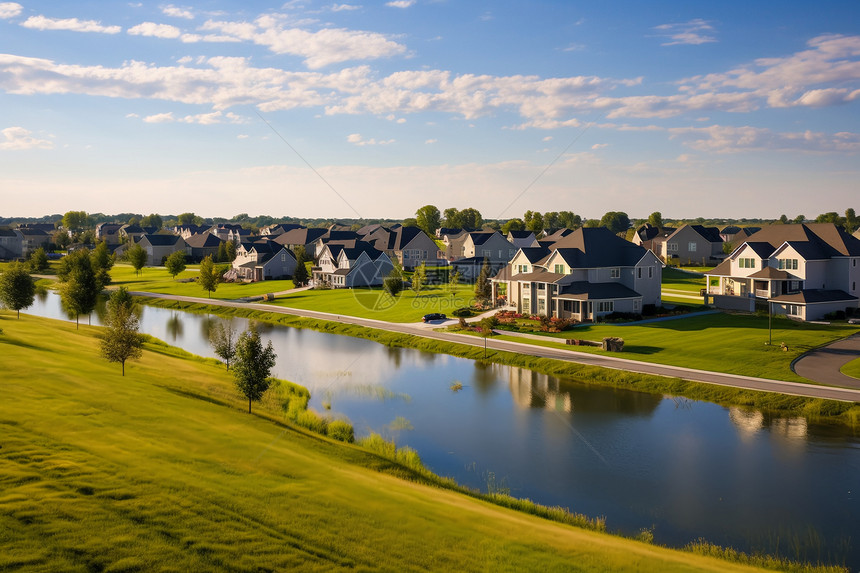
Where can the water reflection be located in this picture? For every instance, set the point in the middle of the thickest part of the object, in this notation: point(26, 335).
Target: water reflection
point(751, 422)
point(174, 327)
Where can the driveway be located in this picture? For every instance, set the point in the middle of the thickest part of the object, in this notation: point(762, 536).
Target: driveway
point(822, 364)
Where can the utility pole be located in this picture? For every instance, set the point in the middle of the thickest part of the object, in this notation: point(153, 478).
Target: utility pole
point(769, 323)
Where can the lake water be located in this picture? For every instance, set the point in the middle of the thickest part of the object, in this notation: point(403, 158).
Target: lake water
point(684, 469)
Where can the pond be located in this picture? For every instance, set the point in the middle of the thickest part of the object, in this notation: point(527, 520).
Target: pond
point(681, 468)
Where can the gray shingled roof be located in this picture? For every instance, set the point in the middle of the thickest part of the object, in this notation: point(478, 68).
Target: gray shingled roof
point(813, 296)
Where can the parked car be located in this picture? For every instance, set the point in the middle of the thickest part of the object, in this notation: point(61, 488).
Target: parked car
point(433, 316)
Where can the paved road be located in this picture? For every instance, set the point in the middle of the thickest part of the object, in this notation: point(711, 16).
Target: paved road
point(822, 364)
point(605, 361)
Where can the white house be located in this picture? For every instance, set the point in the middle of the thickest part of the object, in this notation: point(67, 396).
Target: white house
point(349, 267)
point(263, 260)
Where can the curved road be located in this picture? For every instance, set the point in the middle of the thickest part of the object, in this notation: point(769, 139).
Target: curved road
point(822, 364)
point(614, 362)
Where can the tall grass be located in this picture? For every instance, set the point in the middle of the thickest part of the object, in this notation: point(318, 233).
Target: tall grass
point(703, 547)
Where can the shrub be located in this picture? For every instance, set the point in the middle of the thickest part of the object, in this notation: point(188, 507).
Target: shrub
point(341, 431)
point(462, 312)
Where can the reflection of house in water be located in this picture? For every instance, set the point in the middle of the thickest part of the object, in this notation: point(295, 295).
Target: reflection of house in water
point(536, 390)
point(750, 422)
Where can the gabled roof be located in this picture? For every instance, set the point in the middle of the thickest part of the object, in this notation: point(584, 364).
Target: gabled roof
point(300, 236)
point(647, 232)
point(394, 239)
point(352, 253)
point(481, 237)
point(773, 274)
point(762, 250)
point(203, 240)
point(830, 238)
point(813, 296)
point(9, 233)
point(809, 250)
point(724, 269)
point(534, 254)
point(710, 234)
point(538, 277)
point(597, 247)
point(161, 240)
point(340, 235)
point(521, 234)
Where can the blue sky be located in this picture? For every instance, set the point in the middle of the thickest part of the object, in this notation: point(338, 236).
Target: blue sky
point(335, 109)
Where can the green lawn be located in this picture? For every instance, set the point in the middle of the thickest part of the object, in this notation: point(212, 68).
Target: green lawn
point(735, 344)
point(163, 470)
point(157, 279)
point(852, 368)
point(678, 286)
point(376, 304)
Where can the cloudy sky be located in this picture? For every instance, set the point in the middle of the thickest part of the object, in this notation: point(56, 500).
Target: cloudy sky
point(372, 109)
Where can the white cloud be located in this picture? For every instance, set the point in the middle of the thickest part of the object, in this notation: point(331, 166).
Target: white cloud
point(212, 118)
point(18, 138)
point(730, 139)
point(357, 139)
point(160, 118)
point(694, 32)
point(9, 10)
point(431, 141)
point(344, 7)
point(319, 49)
point(155, 30)
point(242, 136)
point(69, 24)
point(176, 12)
point(599, 146)
point(400, 3)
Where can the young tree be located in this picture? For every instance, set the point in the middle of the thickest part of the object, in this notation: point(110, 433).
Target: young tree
point(393, 282)
point(454, 279)
point(17, 289)
point(253, 365)
point(222, 337)
point(419, 277)
point(175, 263)
point(137, 256)
point(231, 252)
point(483, 288)
point(221, 255)
point(121, 340)
point(102, 262)
point(80, 289)
point(38, 260)
point(429, 219)
point(208, 277)
point(61, 238)
point(300, 275)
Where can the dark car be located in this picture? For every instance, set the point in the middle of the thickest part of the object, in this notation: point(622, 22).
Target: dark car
point(433, 316)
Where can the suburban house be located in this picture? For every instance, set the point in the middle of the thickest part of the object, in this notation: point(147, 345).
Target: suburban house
point(32, 239)
point(806, 271)
point(468, 252)
point(645, 234)
point(11, 244)
point(520, 239)
point(587, 274)
point(690, 244)
point(732, 234)
point(263, 260)
point(278, 229)
point(230, 232)
point(186, 231)
point(335, 237)
point(109, 233)
point(349, 267)
point(159, 247)
point(132, 233)
point(301, 237)
point(203, 245)
point(409, 245)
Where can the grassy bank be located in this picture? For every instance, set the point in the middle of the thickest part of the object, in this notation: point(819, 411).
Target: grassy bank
point(730, 343)
point(163, 470)
point(852, 368)
point(779, 404)
point(157, 279)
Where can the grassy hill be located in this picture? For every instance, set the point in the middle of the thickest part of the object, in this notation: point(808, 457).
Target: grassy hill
point(162, 469)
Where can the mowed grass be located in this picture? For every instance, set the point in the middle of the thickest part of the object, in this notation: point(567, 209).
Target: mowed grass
point(157, 279)
point(852, 368)
point(678, 287)
point(163, 470)
point(735, 344)
point(375, 303)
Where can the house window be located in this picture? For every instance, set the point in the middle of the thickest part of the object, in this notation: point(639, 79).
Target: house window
point(559, 269)
point(541, 286)
point(526, 308)
point(691, 247)
point(672, 247)
point(788, 264)
point(746, 263)
point(541, 306)
point(605, 306)
point(283, 257)
point(488, 253)
point(792, 309)
point(639, 273)
point(650, 272)
point(615, 273)
point(636, 306)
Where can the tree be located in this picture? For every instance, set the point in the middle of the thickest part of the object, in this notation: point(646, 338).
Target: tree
point(152, 220)
point(253, 365)
point(616, 221)
point(175, 263)
point(569, 220)
point(850, 220)
point(513, 225)
point(121, 341)
point(453, 219)
point(231, 251)
point(419, 277)
point(533, 221)
point(38, 260)
point(409, 222)
point(80, 288)
point(222, 337)
point(221, 255)
point(799, 219)
point(76, 220)
point(137, 256)
point(783, 219)
point(61, 238)
point(300, 275)
point(186, 218)
point(591, 223)
point(102, 262)
point(17, 289)
point(483, 288)
point(655, 219)
point(454, 279)
point(429, 219)
point(393, 282)
point(471, 218)
point(551, 220)
point(208, 277)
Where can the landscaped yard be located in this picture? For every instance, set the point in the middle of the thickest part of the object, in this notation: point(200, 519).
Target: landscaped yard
point(163, 469)
point(157, 279)
point(852, 368)
point(735, 344)
point(682, 288)
point(375, 303)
